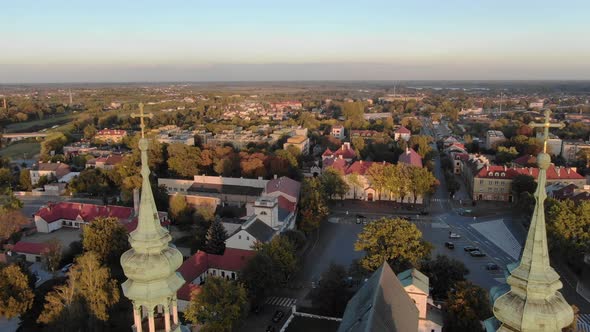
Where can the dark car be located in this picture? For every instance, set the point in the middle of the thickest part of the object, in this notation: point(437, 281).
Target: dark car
point(477, 253)
point(270, 328)
point(450, 245)
point(361, 219)
point(492, 266)
point(470, 249)
point(278, 316)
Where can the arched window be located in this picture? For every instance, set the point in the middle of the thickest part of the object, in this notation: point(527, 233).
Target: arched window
point(502, 174)
point(490, 173)
point(496, 174)
point(263, 213)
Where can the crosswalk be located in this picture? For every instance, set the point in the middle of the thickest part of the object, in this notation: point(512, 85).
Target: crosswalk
point(281, 301)
point(439, 200)
point(584, 322)
point(497, 233)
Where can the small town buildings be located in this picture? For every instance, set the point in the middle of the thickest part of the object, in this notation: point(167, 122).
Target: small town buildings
point(173, 134)
point(570, 149)
point(105, 163)
point(416, 285)
point(494, 183)
point(196, 269)
point(411, 158)
point(32, 251)
point(376, 116)
point(493, 138)
point(402, 133)
point(338, 132)
point(366, 134)
point(53, 171)
point(537, 104)
point(110, 135)
point(345, 152)
point(244, 236)
point(564, 190)
point(471, 111)
point(300, 142)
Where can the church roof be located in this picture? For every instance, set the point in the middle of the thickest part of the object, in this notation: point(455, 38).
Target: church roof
point(416, 278)
point(284, 185)
point(380, 305)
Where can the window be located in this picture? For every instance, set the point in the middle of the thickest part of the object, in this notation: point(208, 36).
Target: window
point(263, 213)
point(490, 174)
point(248, 238)
point(502, 174)
point(490, 182)
point(480, 181)
point(239, 237)
point(222, 274)
point(496, 183)
point(496, 174)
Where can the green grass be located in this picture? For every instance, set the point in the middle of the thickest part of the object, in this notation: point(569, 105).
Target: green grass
point(37, 125)
point(16, 150)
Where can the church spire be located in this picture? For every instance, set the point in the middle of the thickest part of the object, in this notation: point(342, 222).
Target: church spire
point(534, 302)
point(150, 265)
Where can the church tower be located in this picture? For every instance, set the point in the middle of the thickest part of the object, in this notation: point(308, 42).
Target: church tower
point(150, 265)
point(534, 302)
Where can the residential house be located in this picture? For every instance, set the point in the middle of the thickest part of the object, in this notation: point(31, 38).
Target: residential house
point(338, 132)
point(570, 149)
point(345, 152)
point(366, 134)
point(300, 142)
point(493, 138)
point(249, 233)
point(402, 133)
point(110, 135)
point(32, 251)
point(416, 285)
point(105, 163)
point(50, 170)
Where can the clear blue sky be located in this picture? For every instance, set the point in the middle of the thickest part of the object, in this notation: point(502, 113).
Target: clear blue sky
point(61, 41)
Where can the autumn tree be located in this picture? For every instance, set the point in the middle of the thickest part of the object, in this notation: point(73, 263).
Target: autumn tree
point(396, 241)
point(105, 237)
point(24, 180)
point(443, 273)
point(52, 256)
point(183, 160)
point(354, 113)
point(11, 221)
point(89, 131)
point(568, 223)
point(333, 183)
point(216, 236)
point(355, 182)
point(524, 183)
point(282, 254)
point(422, 182)
point(466, 307)
point(358, 143)
point(16, 295)
point(314, 208)
point(218, 306)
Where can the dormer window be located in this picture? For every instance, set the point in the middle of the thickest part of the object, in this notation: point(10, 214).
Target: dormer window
point(496, 174)
point(502, 174)
point(491, 174)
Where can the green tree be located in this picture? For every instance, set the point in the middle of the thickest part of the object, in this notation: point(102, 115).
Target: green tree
point(25, 180)
point(421, 144)
point(359, 144)
point(282, 254)
point(52, 257)
point(505, 155)
point(524, 183)
point(89, 131)
point(466, 307)
point(257, 278)
point(377, 178)
point(16, 295)
point(354, 112)
point(355, 181)
point(92, 181)
point(5, 177)
point(219, 306)
point(215, 241)
point(183, 160)
point(333, 183)
point(443, 273)
point(422, 182)
point(332, 295)
point(396, 241)
point(568, 223)
point(105, 237)
point(314, 208)
point(11, 221)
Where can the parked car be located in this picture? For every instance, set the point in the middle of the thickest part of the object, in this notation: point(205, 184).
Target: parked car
point(470, 249)
point(492, 266)
point(454, 236)
point(450, 245)
point(270, 328)
point(66, 268)
point(361, 219)
point(477, 253)
point(278, 316)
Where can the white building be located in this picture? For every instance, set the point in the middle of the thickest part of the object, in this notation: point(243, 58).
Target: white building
point(494, 137)
point(416, 285)
point(338, 132)
point(570, 149)
point(300, 142)
point(50, 170)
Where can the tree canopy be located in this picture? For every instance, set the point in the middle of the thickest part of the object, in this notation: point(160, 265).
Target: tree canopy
point(314, 208)
point(215, 240)
point(443, 273)
point(16, 295)
point(466, 307)
point(332, 294)
point(105, 237)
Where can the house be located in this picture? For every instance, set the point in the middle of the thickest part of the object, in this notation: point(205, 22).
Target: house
point(411, 158)
point(416, 285)
point(402, 133)
point(197, 268)
point(246, 235)
point(106, 163)
point(33, 252)
point(537, 104)
point(493, 138)
point(494, 183)
point(554, 143)
point(338, 132)
point(380, 305)
point(564, 190)
point(570, 149)
point(366, 134)
point(110, 135)
point(50, 170)
point(345, 152)
point(300, 142)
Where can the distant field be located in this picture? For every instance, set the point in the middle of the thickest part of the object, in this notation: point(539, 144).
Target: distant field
point(16, 150)
point(39, 124)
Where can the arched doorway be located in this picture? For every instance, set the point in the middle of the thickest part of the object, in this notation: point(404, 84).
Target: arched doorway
point(370, 197)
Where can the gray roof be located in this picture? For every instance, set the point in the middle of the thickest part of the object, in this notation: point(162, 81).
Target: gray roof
point(225, 189)
point(416, 278)
point(260, 230)
point(381, 304)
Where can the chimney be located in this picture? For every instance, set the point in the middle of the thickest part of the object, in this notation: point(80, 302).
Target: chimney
point(275, 177)
point(558, 171)
point(504, 168)
point(136, 201)
point(487, 167)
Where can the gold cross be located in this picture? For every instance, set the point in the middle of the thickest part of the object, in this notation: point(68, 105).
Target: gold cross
point(141, 115)
point(547, 124)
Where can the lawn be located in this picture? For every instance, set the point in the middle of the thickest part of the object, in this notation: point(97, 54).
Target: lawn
point(37, 125)
point(16, 150)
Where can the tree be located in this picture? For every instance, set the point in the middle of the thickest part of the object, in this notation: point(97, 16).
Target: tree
point(332, 295)
point(216, 235)
point(257, 278)
point(333, 183)
point(89, 292)
point(89, 131)
point(422, 182)
point(466, 307)
point(421, 144)
point(11, 221)
point(443, 273)
point(506, 155)
point(219, 306)
point(355, 181)
point(282, 254)
point(16, 295)
point(377, 178)
point(5, 177)
point(105, 237)
point(354, 112)
point(183, 160)
point(92, 181)
point(358, 143)
point(25, 180)
point(396, 241)
point(524, 183)
point(52, 257)
point(313, 205)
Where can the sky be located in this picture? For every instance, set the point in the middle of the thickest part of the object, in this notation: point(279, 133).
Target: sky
point(237, 40)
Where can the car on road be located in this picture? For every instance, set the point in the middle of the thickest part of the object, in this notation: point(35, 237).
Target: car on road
point(454, 236)
point(278, 316)
point(450, 245)
point(492, 266)
point(361, 219)
point(66, 268)
point(471, 248)
point(477, 253)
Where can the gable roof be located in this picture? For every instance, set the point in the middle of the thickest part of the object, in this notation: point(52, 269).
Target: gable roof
point(403, 130)
point(359, 167)
point(411, 158)
point(381, 304)
point(553, 173)
point(416, 278)
point(52, 167)
point(284, 185)
point(260, 230)
point(286, 204)
point(30, 248)
point(328, 152)
point(88, 212)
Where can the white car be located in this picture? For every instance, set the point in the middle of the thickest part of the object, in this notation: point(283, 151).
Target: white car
point(454, 236)
point(66, 268)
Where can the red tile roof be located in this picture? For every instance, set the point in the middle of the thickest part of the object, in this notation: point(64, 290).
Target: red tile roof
point(403, 130)
point(526, 160)
point(553, 173)
point(232, 260)
point(411, 158)
point(327, 153)
point(359, 167)
point(23, 247)
point(345, 151)
point(88, 212)
point(287, 204)
point(284, 185)
point(111, 132)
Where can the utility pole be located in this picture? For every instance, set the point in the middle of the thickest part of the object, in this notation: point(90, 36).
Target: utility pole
point(71, 99)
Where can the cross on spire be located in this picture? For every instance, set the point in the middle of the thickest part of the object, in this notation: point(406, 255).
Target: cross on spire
point(141, 116)
point(547, 124)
